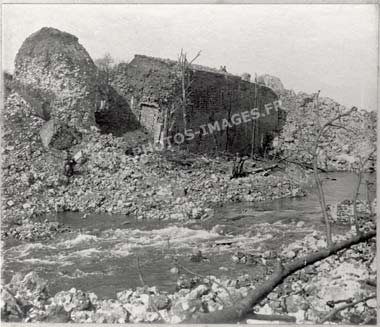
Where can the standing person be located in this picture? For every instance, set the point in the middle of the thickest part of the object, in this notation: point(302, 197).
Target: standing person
point(68, 166)
point(241, 164)
point(236, 166)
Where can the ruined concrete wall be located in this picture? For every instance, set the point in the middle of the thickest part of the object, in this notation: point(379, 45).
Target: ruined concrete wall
point(218, 96)
point(214, 96)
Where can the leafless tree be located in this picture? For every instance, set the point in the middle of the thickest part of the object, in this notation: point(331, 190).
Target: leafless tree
point(103, 75)
point(322, 130)
point(182, 101)
point(312, 130)
point(253, 127)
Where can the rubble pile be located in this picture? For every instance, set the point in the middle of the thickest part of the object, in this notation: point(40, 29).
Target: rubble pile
point(22, 164)
point(341, 148)
point(144, 304)
point(107, 179)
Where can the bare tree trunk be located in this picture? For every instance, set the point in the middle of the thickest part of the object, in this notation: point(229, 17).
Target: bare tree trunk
point(164, 133)
point(184, 66)
point(253, 121)
point(322, 201)
point(184, 100)
point(361, 168)
point(321, 195)
point(373, 217)
point(356, 195)
point(229, 117)
point(253, 139)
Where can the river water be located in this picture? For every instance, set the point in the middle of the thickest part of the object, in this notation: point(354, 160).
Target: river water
point(100, 254)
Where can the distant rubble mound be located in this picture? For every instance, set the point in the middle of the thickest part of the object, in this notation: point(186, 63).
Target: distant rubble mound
point(271, 81)
point(341, 148)
point(57, 74)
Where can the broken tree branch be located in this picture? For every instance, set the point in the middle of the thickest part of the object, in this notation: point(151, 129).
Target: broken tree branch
point(322, 201)
point(321, 195)
point(196, 57)
point(238, 312)
point(343, 307)
point(263, 169)
point(371, 282)
point(372, 215)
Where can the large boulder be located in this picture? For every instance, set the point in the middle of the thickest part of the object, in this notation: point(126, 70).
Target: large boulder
point(52, 68)
point(271, 81)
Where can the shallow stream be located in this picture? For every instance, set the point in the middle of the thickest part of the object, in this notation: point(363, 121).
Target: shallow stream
point(100, 255)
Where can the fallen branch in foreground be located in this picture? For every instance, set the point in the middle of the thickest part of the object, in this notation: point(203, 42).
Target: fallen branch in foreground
point(263, 169)
point(343, 307)
point(371, 282)
point(238, 312)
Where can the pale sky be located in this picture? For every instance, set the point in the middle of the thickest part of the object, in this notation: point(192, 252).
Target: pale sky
point(309, 47)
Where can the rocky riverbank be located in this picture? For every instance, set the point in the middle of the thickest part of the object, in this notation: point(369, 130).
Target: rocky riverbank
point(307, 296)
